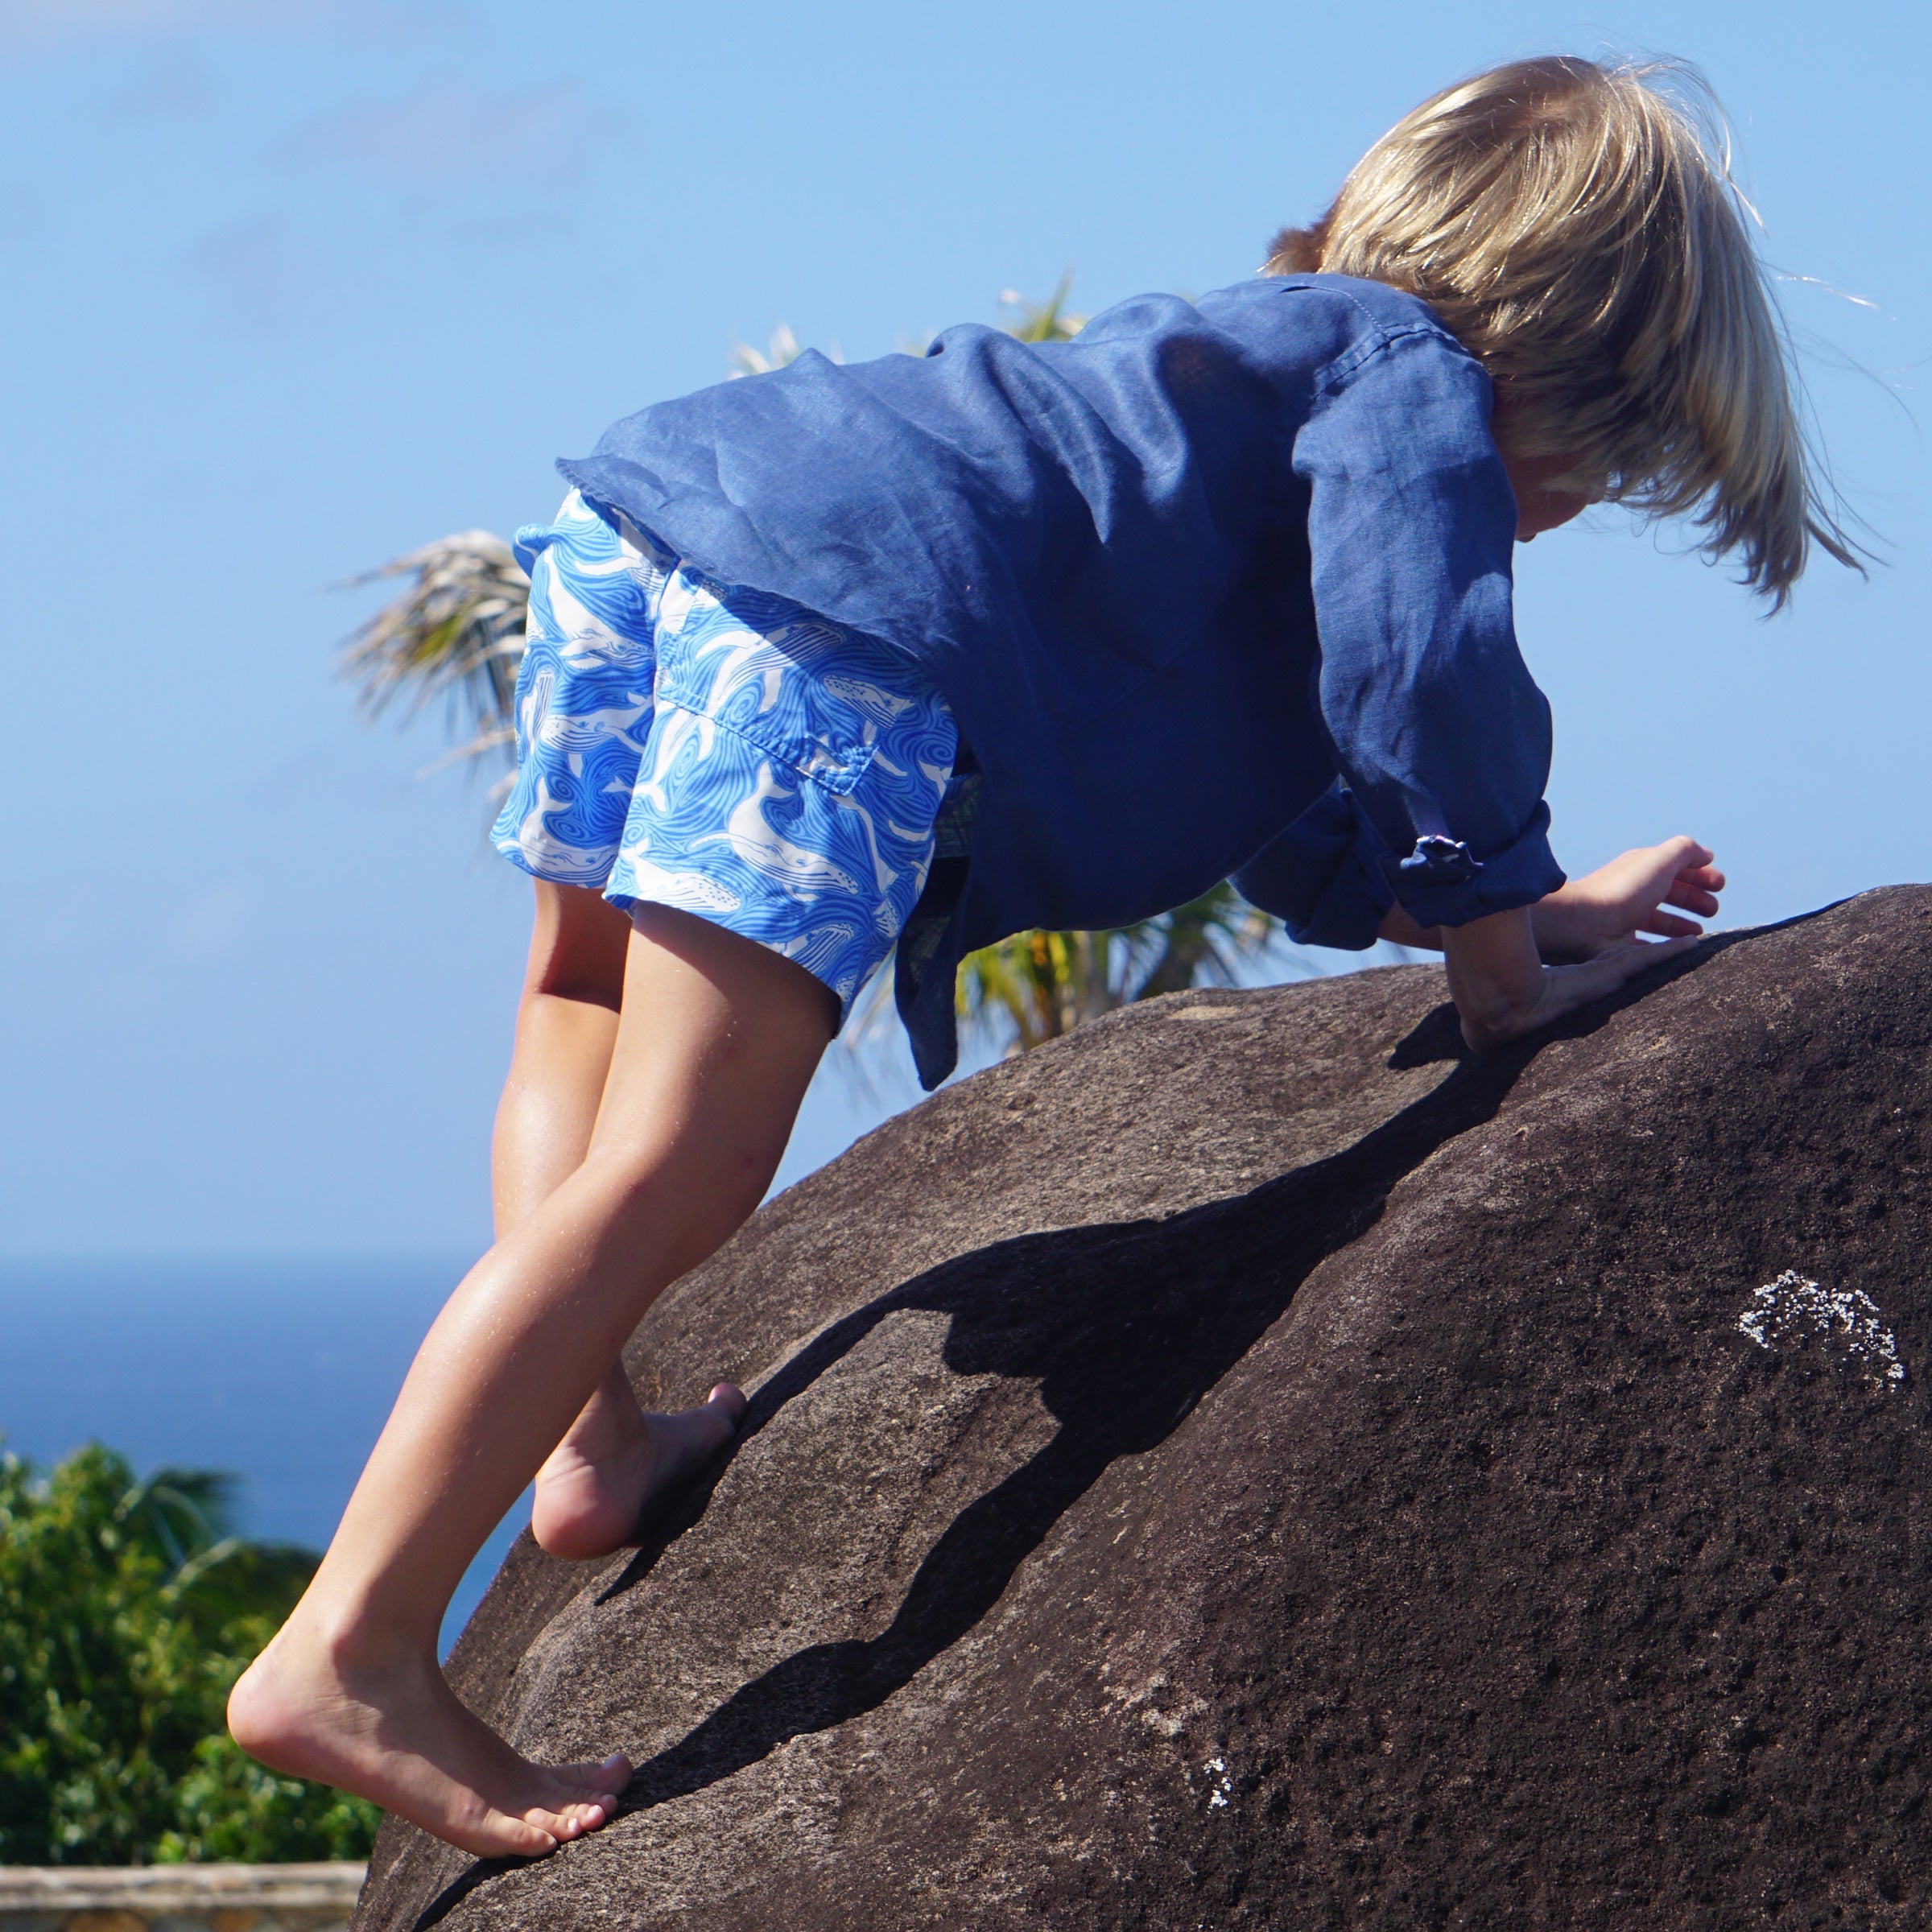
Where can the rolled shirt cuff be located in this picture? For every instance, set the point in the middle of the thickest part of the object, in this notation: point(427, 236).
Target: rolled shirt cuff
point(1322, 877)
point(1348, 912)
point(1443, 883)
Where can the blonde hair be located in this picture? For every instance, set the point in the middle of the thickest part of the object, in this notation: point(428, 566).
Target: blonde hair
point(1576, 228)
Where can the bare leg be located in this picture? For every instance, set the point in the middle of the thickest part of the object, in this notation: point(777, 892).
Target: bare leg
point(715, 1042)
point(594, 1486)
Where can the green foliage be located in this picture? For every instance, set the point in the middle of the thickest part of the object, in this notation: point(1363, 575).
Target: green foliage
point(228, 1806)
point(127, 1610)
point(1035, 986)
point(1048, 321)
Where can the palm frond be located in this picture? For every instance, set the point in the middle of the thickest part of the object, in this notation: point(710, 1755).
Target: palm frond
point(1036, 986)
point(1048, 321)
point(784, 348)
point(190, 1519)
point(455, 632)
point(180, 1513)
point(1210, 941)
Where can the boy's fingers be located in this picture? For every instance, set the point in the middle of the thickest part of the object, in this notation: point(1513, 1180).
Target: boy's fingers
point(1684, 851)
point(1676, 863)
point(1609, 970)
point(1638, 957)
point(1684, 861)
point(1692, 898)
point(1669, 927)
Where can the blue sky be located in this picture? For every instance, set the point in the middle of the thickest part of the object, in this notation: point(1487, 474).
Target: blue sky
point(288, 289)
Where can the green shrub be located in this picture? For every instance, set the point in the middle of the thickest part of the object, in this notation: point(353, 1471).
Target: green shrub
point(127, 1610)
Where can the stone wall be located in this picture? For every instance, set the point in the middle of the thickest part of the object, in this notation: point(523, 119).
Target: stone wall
point(178, 1898)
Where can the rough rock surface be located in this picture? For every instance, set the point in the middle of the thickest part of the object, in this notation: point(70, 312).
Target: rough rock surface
point(1249, 1464)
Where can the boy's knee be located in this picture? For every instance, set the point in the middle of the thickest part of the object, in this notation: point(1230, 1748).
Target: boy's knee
point(692, 1206)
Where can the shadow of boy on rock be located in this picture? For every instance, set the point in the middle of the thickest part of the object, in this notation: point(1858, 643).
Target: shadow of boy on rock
point(1118, 1367)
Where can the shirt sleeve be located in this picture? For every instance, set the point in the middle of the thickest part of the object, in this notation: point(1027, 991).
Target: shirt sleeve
point(1440, 734)
point(1323, 876)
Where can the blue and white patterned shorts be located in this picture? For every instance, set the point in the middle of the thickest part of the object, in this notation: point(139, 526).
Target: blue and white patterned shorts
point(689, 744)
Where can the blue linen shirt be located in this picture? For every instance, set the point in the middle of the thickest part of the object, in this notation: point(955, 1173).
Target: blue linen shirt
point(1216, 588)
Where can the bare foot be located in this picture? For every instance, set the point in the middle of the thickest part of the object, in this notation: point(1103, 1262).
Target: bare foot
point(593, 1488)
point(398, 1734)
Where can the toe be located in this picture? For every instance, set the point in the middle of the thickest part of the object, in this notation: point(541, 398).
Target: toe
point(593, 1782)
point(729, 1398)
point(591, 1812)
point(531, 1836)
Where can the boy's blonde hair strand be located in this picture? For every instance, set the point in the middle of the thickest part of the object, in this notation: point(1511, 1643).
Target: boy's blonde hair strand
point(1576, 227)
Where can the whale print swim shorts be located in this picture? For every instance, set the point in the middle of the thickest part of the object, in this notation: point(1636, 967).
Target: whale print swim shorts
point(687, 743)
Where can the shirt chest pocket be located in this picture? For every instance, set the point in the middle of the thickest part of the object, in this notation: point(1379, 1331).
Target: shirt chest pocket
point(778, 686)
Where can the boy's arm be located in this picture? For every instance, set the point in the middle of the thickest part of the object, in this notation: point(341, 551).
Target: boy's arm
point(1502, 987)
point(1397, 926)
point(1503, 990)
point(1615, 903)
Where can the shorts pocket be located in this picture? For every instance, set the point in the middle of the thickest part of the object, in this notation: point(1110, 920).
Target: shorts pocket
point(789, 685)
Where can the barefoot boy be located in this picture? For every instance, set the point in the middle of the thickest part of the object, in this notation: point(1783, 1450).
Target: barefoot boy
point(929, 650)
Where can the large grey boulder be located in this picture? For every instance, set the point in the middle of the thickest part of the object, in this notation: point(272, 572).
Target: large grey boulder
point(1248, 1464)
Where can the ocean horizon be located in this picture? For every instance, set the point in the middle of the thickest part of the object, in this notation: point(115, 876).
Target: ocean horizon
point(279, 1369)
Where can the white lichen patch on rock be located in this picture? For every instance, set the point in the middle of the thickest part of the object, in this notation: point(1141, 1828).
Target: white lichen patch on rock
point(1793, 1309)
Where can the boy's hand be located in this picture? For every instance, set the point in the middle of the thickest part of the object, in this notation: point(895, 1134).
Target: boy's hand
point(1588, 918)
point(1503, 990)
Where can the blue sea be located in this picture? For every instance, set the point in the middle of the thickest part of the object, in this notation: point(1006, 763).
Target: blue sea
point(280, 1371)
